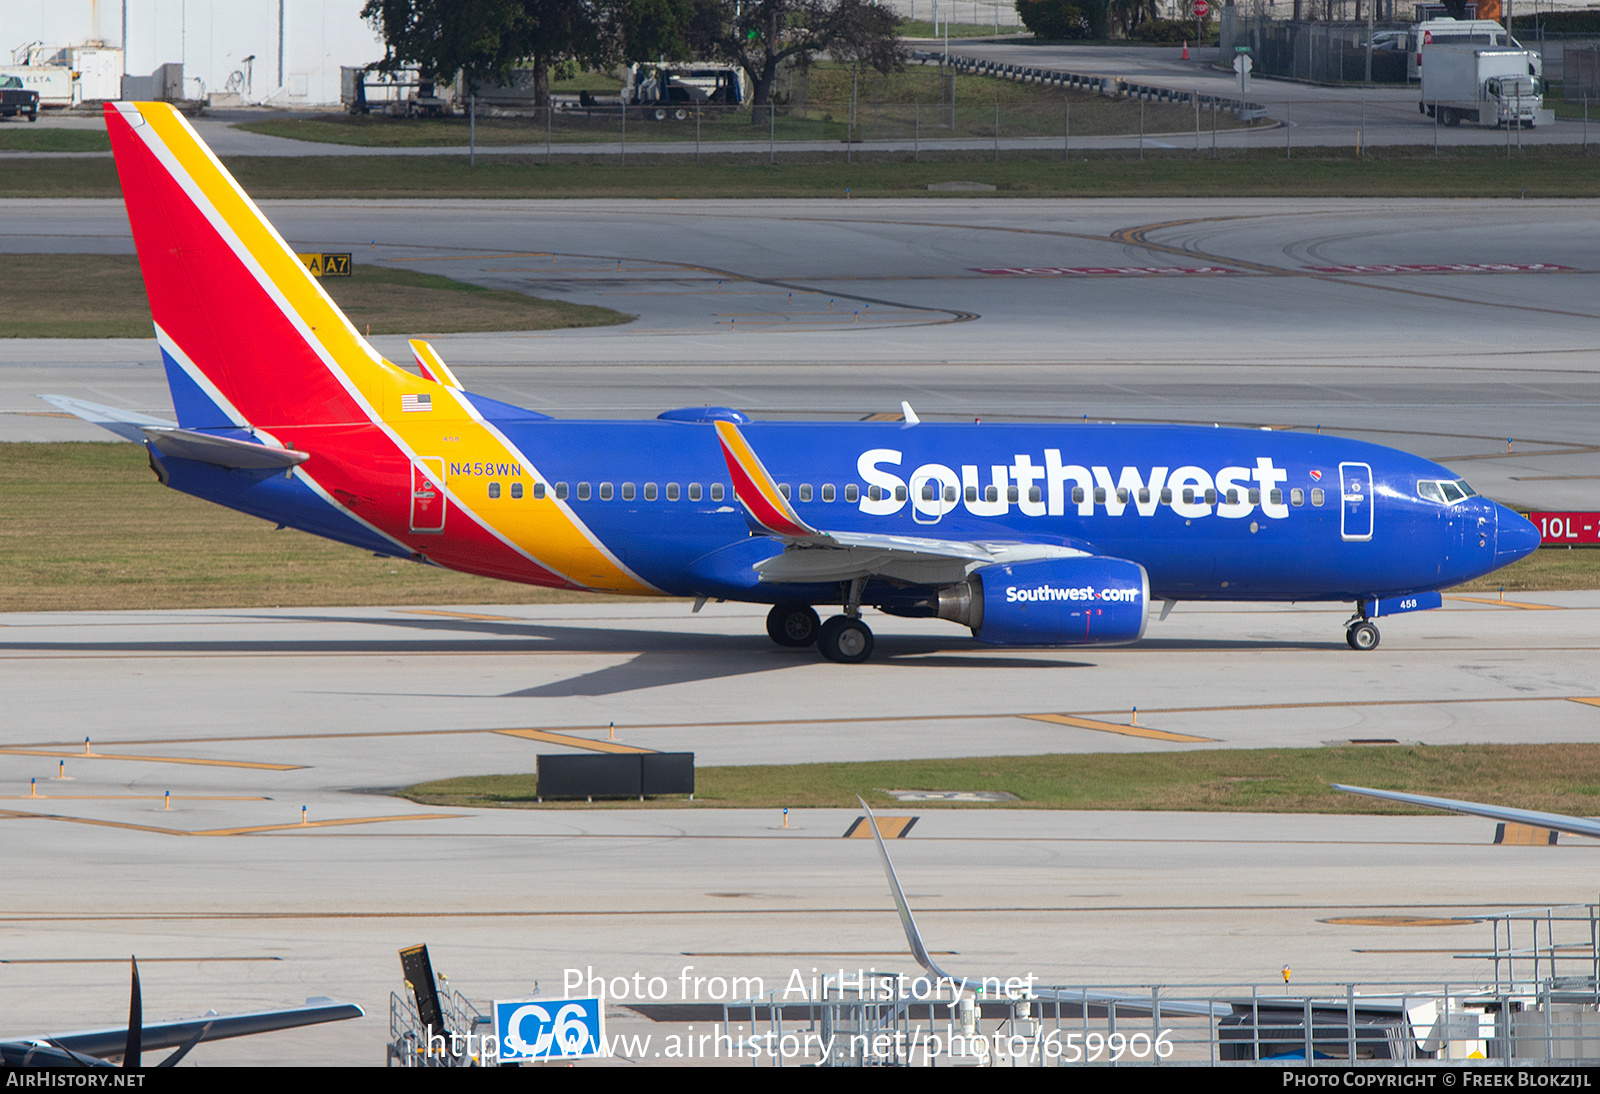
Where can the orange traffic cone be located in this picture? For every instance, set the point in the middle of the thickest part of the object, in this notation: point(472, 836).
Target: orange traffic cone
point(1186, 49)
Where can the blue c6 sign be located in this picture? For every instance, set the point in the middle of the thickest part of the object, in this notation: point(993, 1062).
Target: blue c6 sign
point(550, 1029)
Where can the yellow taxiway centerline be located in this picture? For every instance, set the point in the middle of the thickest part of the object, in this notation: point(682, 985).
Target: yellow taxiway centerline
point(149, 759)
point(1508, 603)
point(20, 814)
point(462, 615)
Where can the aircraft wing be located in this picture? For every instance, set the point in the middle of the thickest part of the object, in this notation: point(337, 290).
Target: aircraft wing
point(1578, 826)
point(919, 951)
point(814, 555)
point(111, 1041)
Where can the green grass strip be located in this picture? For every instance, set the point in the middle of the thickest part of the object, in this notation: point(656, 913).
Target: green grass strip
point(1537, 172)
point(1558, 778)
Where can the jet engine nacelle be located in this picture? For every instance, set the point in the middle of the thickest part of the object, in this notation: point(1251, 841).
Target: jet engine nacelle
point(1087, 601)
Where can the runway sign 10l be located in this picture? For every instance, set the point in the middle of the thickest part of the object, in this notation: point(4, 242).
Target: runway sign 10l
point(550, 1029)
point(1566, 528)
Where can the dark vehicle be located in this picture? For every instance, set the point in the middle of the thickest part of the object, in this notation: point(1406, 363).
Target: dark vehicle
point(15, 99)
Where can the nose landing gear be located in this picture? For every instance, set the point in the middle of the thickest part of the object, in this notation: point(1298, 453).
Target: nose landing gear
point(1362, 636)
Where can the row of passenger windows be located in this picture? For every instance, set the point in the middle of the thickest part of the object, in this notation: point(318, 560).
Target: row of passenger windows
point(608, 491)
point(930, 492)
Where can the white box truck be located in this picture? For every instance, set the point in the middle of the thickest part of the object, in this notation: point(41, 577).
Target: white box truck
point(1481, 84)
point(1445, 31)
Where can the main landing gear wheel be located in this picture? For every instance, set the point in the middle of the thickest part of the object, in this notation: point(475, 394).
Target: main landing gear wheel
point(845, 640)
point(1362, 636)
point(793, 624)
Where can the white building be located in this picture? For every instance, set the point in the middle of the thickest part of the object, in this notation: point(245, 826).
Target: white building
point(286, 52)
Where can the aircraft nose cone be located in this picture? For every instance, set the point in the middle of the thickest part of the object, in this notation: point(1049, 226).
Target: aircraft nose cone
point(1515, 537)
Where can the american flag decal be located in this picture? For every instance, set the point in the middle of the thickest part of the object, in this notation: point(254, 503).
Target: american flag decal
point(416, 402)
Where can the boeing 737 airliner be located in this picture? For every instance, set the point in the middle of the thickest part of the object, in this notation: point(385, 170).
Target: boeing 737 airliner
point(1029, 535)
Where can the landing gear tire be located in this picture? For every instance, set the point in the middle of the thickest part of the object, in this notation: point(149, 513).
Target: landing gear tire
point(845, 640)
point(680, 114)
point(1362, 636)
point(661, 115)
point(793, 624)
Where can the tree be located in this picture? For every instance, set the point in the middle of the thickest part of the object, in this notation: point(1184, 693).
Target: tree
point(759, 35)
point(485, 39)
point(1064, 18)
point(1130, 13)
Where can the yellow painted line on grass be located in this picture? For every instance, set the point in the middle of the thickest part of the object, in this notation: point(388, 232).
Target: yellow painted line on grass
point(1113, 727)
point(1508, 603)
point(571, 742)
point(460, 615)
point(150, 759)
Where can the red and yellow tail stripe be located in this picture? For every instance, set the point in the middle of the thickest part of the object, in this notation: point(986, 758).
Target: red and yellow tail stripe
point(755, 488)
point(250, 323)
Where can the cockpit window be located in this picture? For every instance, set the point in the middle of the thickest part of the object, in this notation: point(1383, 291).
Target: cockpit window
point(1444, 492)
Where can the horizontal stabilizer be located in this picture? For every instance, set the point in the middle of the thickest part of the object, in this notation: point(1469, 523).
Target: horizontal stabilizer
point(188, 444)
point(126, 424)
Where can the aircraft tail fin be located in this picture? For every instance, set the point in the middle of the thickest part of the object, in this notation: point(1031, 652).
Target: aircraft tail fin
point(247, 335)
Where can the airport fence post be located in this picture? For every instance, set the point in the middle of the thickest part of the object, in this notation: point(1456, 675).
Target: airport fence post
point(850, 128)
point(472, 130)
point(624, 135)
point(1288, 152)
point(1195, 95)
point(1350, 1021)
point(1141, 128)
point(1362, 151)
point(997, 127)
point(772, 132)
point(1255, 1024)
point(1066, 134)
point(1435, 130)
point(916, 131)
point(549, 110)
point(1213, 127)
point(1155, 1021)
